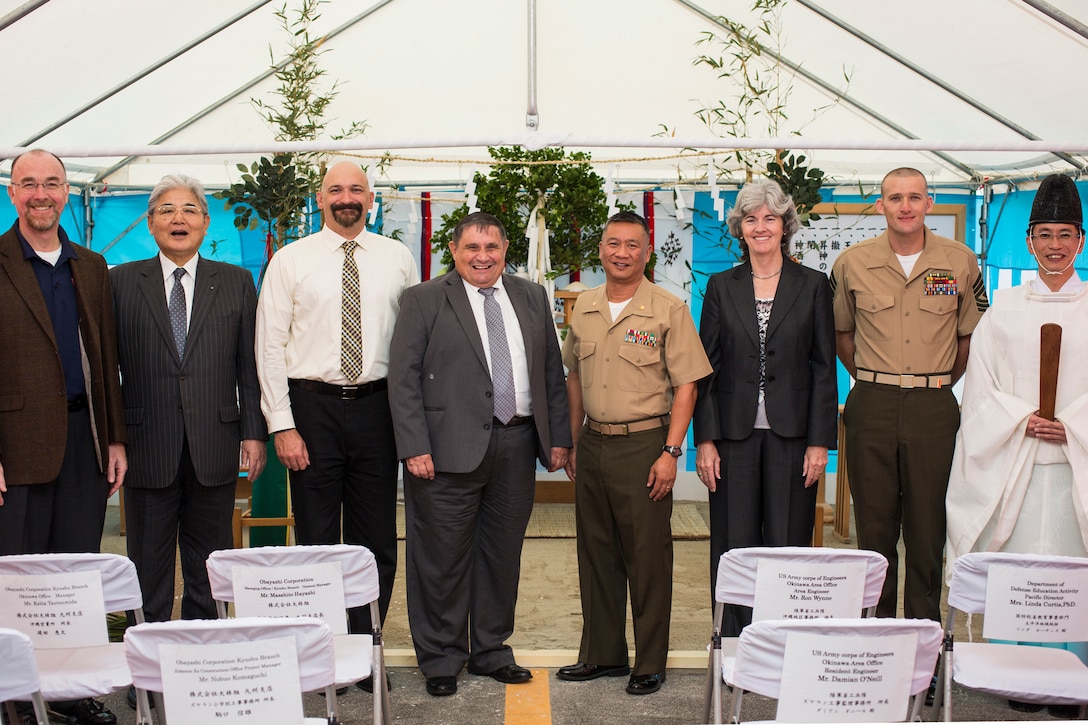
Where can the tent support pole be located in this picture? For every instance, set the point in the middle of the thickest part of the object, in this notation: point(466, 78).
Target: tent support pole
point(532, 115)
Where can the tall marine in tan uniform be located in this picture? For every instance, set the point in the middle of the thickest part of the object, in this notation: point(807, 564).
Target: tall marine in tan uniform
point(906, 303)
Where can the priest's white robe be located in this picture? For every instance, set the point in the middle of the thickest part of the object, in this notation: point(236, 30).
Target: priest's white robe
point(1006, 491)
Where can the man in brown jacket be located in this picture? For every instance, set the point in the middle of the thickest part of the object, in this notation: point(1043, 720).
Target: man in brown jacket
point(62, 427)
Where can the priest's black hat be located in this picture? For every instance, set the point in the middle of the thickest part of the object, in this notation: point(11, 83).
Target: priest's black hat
point(1057, 202)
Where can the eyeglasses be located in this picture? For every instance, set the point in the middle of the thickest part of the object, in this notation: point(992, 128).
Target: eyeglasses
point(30, 186)
point(1065, 236)
point(189, 211)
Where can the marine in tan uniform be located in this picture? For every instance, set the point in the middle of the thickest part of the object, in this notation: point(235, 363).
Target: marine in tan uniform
point(634, 358)
point(906, 303)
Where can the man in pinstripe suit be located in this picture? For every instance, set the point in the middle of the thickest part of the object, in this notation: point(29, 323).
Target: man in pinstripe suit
point(189, 381)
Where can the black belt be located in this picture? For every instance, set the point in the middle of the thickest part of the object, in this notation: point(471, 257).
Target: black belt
point(76, 404)
point(515, 421)
point(344, 392)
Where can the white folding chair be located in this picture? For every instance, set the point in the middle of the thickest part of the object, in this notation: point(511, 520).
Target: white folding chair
point(313, 644)
point(736, 584)
point(73, 673)
point(20, 680)
point(1042, 675)
point(358, 656)
point(761, 652)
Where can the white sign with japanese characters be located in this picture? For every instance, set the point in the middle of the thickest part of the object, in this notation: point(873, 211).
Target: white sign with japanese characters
point(846, 679)
point(1036, 605)
point(315, 590)
point(208, 683)
point(56, 610)
point(788, 590)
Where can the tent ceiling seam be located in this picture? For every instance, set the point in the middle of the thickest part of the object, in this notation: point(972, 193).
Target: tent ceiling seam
point(140, 75)
point(237, 92)
point(947, 87)
point(836, 93)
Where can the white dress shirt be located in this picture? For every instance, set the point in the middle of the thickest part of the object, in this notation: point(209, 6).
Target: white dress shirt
point(514, 339)
point(188, 282)
point(299, 314)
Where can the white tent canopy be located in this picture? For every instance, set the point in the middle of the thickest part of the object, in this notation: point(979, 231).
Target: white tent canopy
point(438, 81)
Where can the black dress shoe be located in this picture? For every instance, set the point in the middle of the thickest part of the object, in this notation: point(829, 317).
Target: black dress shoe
point(931, 693)
point(367, 685)
point(1065, 712)
point(339, 691)
point(1019, 706)
point(441, 686)
point(86, 712)
point(511, 674)
point(581, 672)
point(645, 684)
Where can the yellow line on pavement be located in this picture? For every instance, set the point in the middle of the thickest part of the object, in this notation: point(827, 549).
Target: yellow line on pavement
point(529, 703)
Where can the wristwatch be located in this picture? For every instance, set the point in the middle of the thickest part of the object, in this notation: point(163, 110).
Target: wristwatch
point(674, 451)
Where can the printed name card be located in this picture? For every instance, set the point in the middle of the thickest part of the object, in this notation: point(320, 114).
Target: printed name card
point(1036, 605)
point(846, 679)
point(207, 683)
point(788, 590)
point(315, 590)
point(56, 610)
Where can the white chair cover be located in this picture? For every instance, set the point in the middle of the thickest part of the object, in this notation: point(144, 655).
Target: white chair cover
point(737, 569)
point(967, 590)
point(316, 665)
point(356, 562)
point(78, 672)
point(1017, 672)
point(120, 587)
point(20, 679)
point(355, 654)
point(762, 646)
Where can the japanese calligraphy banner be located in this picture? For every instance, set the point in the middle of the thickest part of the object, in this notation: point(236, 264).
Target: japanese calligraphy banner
point(1035, 604)
point(793, 590)
point(208, 683)
point(316, 590)
point(846, 679)
point(56, 610)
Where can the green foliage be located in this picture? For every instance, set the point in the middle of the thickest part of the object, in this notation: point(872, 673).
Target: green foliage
point(277, 190)
point(759, 92)
point(271, 191)
point(799, 181)
point(575, 205)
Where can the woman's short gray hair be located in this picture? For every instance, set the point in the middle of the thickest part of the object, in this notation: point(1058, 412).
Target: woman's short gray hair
point(765, 192)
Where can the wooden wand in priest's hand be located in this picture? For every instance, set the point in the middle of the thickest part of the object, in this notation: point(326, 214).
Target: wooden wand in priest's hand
point(1050, 350)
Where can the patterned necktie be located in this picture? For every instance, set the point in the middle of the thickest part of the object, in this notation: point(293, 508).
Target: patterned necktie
point(502, 371)
point(351, 335)
point(177, 312)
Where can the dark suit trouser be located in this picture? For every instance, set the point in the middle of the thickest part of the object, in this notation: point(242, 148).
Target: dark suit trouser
point(185, 516)
point(65, 515)
point(465, 534)
point(899, 445)
point(353, 472)
point(624, 538)
point(761, 501)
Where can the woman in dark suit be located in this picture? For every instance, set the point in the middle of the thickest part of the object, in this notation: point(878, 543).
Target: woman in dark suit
point(767, 416)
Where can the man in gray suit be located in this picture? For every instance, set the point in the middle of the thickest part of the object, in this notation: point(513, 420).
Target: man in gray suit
point(189, 381)
point(477, 392)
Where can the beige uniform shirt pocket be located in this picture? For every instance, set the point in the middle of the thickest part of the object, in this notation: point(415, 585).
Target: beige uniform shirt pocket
point(876, 316)
point(584, 350)
point(939, 317)
point(642, 373)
